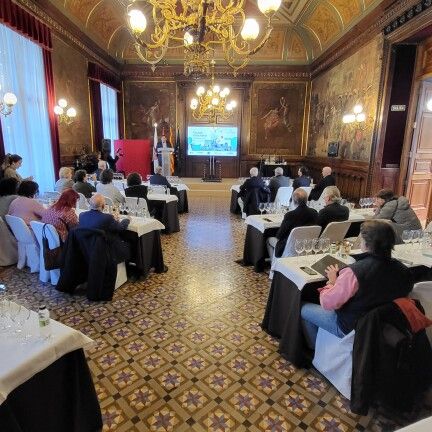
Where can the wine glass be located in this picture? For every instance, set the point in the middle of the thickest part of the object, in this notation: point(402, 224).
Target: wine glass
point(325, 245)
point(308, 246)
point(299, 247)
point(316, 246)
point(414, 237)
point(261, 207)
point(406, 236)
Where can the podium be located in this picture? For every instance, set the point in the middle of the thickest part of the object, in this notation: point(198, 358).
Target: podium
point(165, 153)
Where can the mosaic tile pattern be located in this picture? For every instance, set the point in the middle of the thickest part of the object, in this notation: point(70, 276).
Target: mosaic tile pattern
point(184, 351)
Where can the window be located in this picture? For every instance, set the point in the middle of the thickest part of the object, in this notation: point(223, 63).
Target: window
point(26, 131)
point(109, 114)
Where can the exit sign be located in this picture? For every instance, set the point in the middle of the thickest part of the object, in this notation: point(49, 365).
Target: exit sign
point(398, 108)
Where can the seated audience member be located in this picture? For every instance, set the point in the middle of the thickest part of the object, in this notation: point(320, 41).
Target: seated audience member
point(279, 180)
point(301, 216)
point(135, 187)
point(333, 210)
point(327, 180)
point(8, 192)
point(102, 166)
point(373, 280)
point(107, 189)
point(252, 192)
point(303, 179)
point(95, 218)
point(397, 210)
point(158, 179)
point(62, 213)
point(25, 206)
point(81, 184)
point(65, 180)
point(10, 165)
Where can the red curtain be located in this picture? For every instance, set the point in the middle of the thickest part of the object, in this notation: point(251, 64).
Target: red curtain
point(96, 110)
point(98, 73)
point(49, 81)
point(23, 22)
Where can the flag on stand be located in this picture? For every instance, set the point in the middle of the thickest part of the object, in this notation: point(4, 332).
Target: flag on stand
point(155, 141)
point(172, 154)
point(177, 153)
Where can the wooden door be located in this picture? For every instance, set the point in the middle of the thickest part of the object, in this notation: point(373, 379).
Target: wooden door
point(419, 180)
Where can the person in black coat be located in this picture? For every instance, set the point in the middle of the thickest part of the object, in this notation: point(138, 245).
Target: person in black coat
point(301, 216)
point(303, 179)
point(252, 192)
point(163, 143)
point(106, 156)
point(135, 187)
point(81, 185)
point(333, 210)
point(327, 180)
point(158, 179)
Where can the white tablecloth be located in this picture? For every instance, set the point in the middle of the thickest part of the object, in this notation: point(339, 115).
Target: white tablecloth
point(18, 363)
point(162, 197)
point(261, 223)
point(122, 185)
point(411, 256)
point(290, 268)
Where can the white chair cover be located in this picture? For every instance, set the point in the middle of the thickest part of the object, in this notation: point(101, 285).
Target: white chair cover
point(8, 245)
point(139, 203)
point(51, 195)
point(108, 201)
point(283, 196)
point(336, 231)
point(53, 242)
point(333, 358)
point(307, 189)
point(28, 250)
point(82, 203)
point(422, 291)
point(299, 233)
point(157, 189)
point(121, 275)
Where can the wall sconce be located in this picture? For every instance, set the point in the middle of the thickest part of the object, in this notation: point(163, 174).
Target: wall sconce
point(64, 117)
point(7, 103)
point(357, 115)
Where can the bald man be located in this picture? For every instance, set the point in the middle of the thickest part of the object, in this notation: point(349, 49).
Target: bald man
point(327, 180)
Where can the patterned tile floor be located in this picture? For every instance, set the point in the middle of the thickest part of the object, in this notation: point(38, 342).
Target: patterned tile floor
point(183, 351)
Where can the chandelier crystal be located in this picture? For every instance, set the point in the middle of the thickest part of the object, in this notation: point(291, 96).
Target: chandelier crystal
point(7, 103)
point(212, 103)
point(199, 26)
point(66, 116)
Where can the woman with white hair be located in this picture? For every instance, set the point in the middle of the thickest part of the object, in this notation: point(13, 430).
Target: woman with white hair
point(65, 180)
point(333, 210)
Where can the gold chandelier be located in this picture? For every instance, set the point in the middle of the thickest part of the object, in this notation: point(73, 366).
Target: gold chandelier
point(199, 26)
point(212, 103)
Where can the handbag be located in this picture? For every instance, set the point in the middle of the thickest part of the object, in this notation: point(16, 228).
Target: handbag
point(52, 257)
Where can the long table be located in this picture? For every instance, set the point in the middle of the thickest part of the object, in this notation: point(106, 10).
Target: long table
point(291, 286)
point(260, 227)
point(46, 385)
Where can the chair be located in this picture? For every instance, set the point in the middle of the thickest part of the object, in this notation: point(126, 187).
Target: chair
point(53, 242)
point(299, 233)
point(28, 250)
point(8, 245)
point(336, 231)
point(138, 203)
point(283, 196)
point(422, 291)
point(108, 201)
point(157, 189)
point(333, 359)
point(82, 203)
point(52, 195)
point(307, 189)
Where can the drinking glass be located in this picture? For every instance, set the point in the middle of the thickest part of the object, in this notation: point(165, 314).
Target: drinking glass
point(261, 207)
point(299, 247)
point(325, 246)
point(308, 246)
point(316, 246)
point(20, 320)
point(414, 237)
point(406, 236)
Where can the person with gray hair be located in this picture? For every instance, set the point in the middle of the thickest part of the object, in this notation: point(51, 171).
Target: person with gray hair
point(327, 180)
point(252, 192)
point(301, 216)
point(158, 179)
point(333, 210)
point(279, 180)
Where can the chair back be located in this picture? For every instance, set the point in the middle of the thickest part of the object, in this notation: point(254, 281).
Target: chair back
point(157, 189)
point(108, 201)
point(300, 233)
point(20, 229)
point(118, 176)
point(119, 184)
point(283, 196)
point(336, 231)
point(82, 203)
point(52, 195)
point(136, 203)
point(307, 189)
point(422, 291)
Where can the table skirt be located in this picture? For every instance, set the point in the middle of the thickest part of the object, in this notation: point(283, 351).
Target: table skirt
point(234, 206)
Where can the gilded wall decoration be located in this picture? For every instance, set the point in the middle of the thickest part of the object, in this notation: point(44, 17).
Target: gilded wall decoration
point(324, 24)
point(335, 92)
point(348, 10)
point(277, 120)
point(147, 103)
point(71, 83)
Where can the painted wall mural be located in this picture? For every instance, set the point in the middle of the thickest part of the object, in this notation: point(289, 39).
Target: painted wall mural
point(335, 93)
point(278, 115)
point(147, 103)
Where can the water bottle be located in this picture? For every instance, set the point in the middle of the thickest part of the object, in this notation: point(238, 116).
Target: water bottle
point(44, 322)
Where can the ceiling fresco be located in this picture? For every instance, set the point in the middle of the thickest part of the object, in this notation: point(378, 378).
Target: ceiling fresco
point(303, 29)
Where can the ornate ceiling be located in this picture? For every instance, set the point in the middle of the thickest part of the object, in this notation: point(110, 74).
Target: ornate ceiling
point(304, 29)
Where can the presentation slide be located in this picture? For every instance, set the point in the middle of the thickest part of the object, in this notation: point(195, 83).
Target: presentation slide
point(212, 141)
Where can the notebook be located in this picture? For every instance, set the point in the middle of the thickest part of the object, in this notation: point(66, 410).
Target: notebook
point(321, 265)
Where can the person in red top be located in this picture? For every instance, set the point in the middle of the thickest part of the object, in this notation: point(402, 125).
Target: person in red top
point(62, 214)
